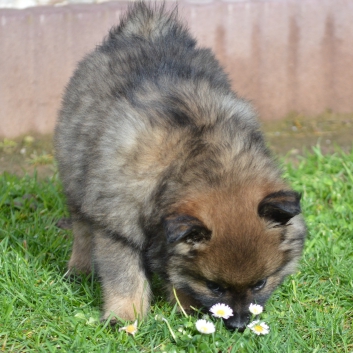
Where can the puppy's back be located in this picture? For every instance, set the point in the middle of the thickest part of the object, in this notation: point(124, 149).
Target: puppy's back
point(148, 105)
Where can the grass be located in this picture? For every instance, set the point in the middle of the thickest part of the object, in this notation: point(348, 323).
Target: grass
point(40, 311)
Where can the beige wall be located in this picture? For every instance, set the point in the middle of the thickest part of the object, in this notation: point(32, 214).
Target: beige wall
point(284, 55)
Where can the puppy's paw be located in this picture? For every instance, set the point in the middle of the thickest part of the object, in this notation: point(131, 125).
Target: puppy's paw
point(112, 320)
point(79, 266)
point(122, 308)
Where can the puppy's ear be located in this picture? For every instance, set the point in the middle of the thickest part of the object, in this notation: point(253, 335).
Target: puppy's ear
point(280, 206)
point(185, 228)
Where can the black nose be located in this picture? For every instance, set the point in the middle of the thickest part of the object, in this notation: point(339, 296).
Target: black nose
point(237, 322)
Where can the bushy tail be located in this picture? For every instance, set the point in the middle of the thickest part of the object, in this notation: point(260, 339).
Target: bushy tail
point(148, 21)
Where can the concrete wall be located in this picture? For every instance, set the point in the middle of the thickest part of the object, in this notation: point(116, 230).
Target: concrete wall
point(284, 55)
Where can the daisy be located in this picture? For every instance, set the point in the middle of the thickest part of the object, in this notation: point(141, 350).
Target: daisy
point(131, 329)
point(221, 310)
point(255, 309)
point(260, 328)
point(204, 326)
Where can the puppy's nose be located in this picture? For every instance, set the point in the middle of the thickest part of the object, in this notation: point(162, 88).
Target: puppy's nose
point(238, 322)
point(232, 327)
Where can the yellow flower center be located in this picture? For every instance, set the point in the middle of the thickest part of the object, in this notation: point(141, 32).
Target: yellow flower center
point(221, 312)
point(131, 329)
point(258, 328)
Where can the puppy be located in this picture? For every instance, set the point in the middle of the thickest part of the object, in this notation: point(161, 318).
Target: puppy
point(166, 171)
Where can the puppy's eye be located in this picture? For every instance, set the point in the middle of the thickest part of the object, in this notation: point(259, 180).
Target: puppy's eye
point(260, 284)
point(215, 287)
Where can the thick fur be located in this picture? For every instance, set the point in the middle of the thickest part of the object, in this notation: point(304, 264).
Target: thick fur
point(165, 170)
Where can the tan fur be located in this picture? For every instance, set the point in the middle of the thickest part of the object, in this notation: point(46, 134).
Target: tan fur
point(131, 308)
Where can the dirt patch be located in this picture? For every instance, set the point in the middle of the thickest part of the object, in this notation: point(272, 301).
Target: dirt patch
point(289, 137)
point(28, 154)
point(298, 133)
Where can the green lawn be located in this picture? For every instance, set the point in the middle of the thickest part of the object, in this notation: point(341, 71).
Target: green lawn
point(40, 311)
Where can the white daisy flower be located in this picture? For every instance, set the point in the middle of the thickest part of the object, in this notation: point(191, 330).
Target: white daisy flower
point(204, 326)
point(159, 317)
point(221, 310)
point(260, 328)
point(131, 329)
point(256, 309)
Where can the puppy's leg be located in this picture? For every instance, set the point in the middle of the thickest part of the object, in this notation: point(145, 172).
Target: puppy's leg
point(81, 257)
point(126, 290)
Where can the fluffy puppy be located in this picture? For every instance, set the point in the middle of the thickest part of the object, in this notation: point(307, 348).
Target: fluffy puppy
point(165, 170)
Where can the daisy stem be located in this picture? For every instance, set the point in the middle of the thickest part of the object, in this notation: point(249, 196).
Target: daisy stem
point(177, 300)
point(170, 329)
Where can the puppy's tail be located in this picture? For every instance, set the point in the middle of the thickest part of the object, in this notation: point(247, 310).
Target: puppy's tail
point(148, 22)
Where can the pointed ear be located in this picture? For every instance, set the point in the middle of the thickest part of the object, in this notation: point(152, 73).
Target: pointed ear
point(185, 228)
point(280, 206)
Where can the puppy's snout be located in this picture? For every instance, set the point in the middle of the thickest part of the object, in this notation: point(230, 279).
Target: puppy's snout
point(238, 322)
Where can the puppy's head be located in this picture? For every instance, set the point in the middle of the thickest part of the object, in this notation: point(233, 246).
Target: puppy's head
point(233, 250)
